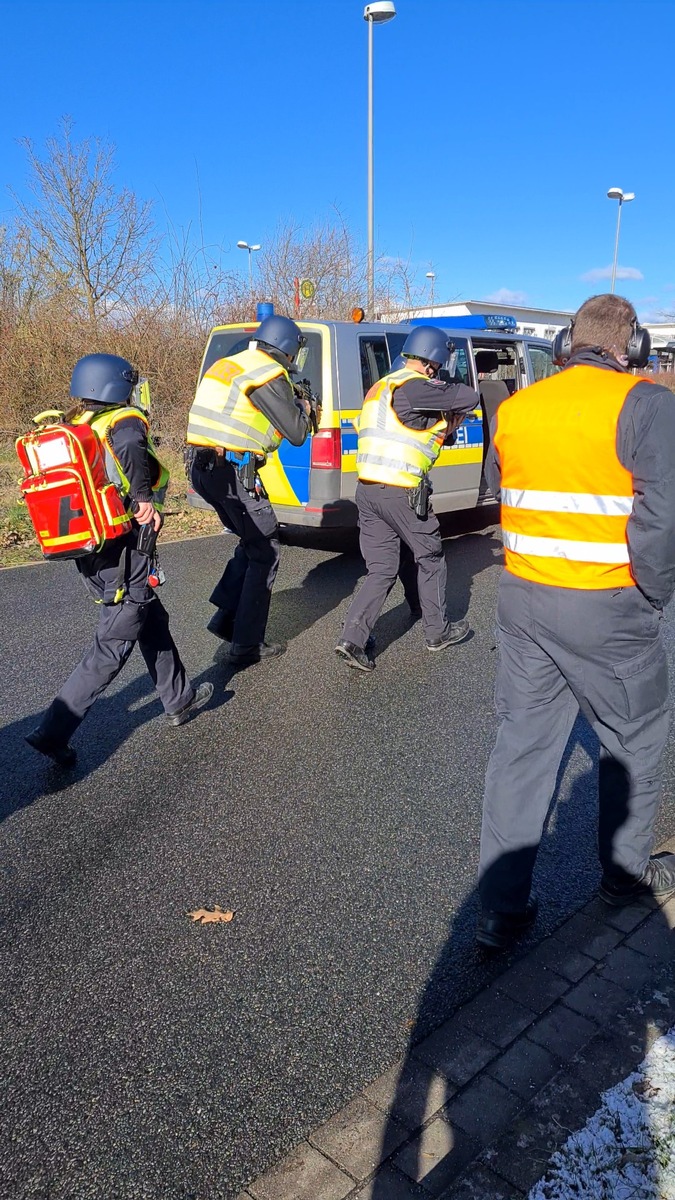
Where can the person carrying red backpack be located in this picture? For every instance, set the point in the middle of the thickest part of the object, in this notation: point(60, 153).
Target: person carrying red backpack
point(117, 576)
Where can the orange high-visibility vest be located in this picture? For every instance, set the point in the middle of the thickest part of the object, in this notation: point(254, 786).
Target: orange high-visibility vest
point(565, 496)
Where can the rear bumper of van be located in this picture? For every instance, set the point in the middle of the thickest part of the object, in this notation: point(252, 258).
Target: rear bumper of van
point(339, 514)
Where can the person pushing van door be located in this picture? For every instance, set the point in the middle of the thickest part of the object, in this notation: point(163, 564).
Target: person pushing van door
point(243, 409)
point(117, 576)
point(406, 419)
point(585, 462)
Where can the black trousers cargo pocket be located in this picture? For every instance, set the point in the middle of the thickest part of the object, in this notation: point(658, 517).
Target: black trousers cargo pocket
point(644, 680)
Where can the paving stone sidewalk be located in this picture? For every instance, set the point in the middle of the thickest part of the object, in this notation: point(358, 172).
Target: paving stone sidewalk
point(475, 1111)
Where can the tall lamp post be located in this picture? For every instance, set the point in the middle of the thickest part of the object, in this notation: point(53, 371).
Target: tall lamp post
point(245, 246)
point(623, 198)
point(431, 276)
point(377, 13)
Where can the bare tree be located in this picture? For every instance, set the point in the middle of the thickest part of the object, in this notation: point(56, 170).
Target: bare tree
point(328, 255)
point(94, 242)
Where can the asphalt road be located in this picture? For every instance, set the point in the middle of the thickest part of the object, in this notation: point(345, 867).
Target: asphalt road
point(337, 814)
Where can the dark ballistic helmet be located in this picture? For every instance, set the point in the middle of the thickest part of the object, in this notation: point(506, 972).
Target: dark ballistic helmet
point(281, 333)
point(427, 342)
point(103, 379)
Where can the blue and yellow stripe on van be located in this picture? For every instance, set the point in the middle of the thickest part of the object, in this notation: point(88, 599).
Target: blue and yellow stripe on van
point(468, 447)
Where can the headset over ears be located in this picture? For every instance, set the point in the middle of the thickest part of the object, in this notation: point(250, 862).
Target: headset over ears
point(638, 348)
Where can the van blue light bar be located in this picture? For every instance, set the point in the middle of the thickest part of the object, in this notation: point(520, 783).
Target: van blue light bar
point(496, 321)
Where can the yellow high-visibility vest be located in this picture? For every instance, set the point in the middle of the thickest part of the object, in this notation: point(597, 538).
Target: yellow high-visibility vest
point(565, 495)
point(222, 413)
point(102, 423)
point(388, 451)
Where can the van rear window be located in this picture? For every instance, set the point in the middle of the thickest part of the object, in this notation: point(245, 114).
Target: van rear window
point(227, 342)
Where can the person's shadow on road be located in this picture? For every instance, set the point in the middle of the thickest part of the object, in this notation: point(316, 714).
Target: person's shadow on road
point(27, 776)
point(444, 1056)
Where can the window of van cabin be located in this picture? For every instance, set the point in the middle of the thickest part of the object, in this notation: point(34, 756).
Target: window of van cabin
point(377, 353)
point(374, 357)
point(227, 342)
point(542, 362)
point(457, 365)
point(507, 362)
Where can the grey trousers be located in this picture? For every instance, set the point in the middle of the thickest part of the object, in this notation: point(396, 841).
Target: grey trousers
point(385, 520)
point(140, 619)
point(562, 650)
point(244, 590)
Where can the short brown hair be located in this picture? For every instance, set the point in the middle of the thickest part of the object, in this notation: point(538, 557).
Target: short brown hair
point(605, 321)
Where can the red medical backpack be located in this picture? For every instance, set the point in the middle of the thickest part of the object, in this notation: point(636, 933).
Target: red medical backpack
point(72, 504)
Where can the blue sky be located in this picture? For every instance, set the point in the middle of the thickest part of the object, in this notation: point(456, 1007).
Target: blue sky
point(499, 127)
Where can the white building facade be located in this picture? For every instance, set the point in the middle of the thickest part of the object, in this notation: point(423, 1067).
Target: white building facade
point(538, 322)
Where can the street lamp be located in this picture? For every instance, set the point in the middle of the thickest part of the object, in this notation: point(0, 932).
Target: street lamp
point(245, 246)
point(431, 277)
point(377, 13)
point(623, 198)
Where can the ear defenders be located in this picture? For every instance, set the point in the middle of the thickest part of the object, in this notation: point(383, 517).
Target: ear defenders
point(562, 345)
point(638, 348)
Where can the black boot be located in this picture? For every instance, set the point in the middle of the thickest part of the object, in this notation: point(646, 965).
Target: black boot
point(658, 880)
point(497, 930)
point(63, 756)
point(354, 656)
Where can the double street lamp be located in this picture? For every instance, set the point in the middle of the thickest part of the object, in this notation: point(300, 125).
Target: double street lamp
point(377, 13)
point(623, 198)
point(245, 246)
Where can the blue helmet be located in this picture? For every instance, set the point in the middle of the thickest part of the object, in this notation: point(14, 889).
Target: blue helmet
point(103, 379)
point(281, 333)
point(428, 343)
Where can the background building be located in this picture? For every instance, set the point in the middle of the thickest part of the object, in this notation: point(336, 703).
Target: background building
point(541, 322)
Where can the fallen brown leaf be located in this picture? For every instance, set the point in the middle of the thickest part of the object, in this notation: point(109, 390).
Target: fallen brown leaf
point(206, 917)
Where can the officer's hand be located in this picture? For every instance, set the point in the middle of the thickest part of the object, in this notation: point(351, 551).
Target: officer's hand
point(455, 421)
point(146, 514)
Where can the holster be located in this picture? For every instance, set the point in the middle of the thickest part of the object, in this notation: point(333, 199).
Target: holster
point(418, 497)
point(247, 472)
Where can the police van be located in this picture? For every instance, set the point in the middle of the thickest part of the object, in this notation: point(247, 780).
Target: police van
point(314, 484)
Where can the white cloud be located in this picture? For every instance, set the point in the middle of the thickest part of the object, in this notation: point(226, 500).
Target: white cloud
point(606, 273)
point(506, 296)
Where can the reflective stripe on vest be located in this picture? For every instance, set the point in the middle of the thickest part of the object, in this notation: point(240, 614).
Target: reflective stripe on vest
point(102, 423)
point(389, 451)
point(222, 413)
point(566, 497)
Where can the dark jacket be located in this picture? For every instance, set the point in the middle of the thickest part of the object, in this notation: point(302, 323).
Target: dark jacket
point(129, 440)
point(420, 402)
point(645, 445)
point(278, 402)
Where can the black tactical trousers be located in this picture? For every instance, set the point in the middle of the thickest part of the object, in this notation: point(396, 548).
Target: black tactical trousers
point(140, 618)
point(385, 520)
point(244, 590)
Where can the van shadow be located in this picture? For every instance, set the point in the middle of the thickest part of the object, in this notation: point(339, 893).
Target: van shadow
point(28, 776)
point(444, 1056)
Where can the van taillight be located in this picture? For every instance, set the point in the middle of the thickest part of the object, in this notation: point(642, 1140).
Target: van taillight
point(327, 449)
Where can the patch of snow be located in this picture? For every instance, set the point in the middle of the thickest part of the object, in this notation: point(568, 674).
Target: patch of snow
point(626, 1151)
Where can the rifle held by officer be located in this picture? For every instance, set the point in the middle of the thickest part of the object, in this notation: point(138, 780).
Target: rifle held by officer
point(303, 391)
